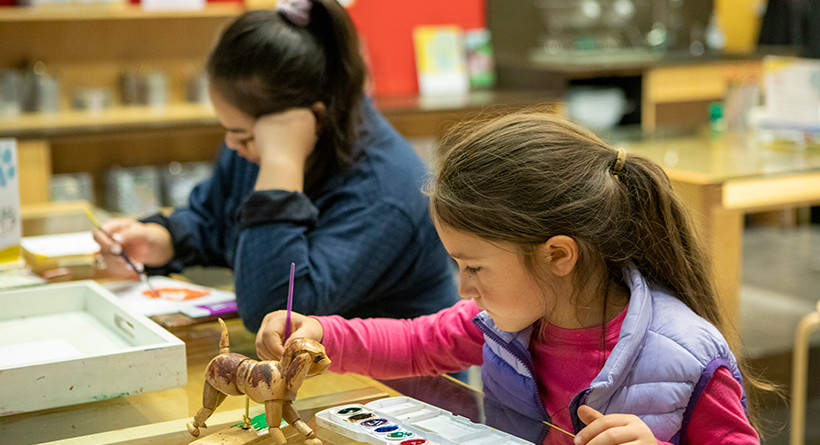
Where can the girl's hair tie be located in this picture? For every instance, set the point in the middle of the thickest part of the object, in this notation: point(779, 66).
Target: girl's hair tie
point(295, 11)
point(620, 161)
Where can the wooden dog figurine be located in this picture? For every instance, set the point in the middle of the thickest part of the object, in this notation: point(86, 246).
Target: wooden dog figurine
point(273, 382)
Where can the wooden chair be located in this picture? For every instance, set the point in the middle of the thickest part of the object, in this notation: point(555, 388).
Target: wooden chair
point(800, 370)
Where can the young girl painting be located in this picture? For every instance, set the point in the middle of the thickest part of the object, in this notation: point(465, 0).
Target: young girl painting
point(587, 298)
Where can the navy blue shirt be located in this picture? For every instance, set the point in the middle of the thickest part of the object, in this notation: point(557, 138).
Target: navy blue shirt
point(363, 243)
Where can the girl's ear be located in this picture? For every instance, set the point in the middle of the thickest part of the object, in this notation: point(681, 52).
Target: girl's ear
point(320, 112)
point(561, 254)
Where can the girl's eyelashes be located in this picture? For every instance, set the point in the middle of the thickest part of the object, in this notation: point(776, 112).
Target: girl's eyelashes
point(471, 270)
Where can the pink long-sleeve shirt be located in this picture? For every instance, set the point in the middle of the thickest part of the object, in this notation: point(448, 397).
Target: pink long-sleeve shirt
point(569, 359)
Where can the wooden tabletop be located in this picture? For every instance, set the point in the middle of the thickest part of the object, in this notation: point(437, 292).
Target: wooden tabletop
point(707, 158)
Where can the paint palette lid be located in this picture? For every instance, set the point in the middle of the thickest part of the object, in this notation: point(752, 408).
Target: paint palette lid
point(407, 421)
point(439, 425)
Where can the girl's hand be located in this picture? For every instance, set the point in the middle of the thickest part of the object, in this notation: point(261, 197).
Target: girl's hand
point(144, 243)
point(612, 429)
point(269, 343)
point(284, 141)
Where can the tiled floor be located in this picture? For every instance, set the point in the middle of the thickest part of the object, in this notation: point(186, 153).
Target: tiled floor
point(781, 284)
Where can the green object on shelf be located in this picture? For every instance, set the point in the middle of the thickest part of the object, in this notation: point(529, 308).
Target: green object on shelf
point(717, 121)
point(715, 111)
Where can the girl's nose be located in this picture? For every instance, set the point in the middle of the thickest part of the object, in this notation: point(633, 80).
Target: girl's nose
point(466, 290)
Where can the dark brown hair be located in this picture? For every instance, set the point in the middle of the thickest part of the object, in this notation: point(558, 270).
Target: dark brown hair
point(265, 64)
point(525, 177)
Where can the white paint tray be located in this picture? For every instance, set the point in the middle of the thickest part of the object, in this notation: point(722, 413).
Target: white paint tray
point(70, 343)
point(398, 420)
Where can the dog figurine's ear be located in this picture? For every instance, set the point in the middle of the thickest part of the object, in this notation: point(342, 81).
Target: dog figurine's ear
point(314, 349)
point(303, 358)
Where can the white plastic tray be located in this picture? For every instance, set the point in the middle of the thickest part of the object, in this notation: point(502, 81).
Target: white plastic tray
point(407, 421)
point(63, 344)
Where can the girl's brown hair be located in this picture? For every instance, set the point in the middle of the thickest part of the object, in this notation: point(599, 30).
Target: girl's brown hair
point(525, 177)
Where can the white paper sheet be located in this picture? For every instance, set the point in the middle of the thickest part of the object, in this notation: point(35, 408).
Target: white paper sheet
point(133, 293)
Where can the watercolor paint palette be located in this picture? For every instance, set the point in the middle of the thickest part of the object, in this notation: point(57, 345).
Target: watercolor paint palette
point(407, 421)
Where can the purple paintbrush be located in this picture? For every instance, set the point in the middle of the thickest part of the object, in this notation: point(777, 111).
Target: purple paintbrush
point(290, 302)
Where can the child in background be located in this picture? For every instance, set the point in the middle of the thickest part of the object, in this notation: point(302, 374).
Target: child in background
point(310, 173)
point(586, 296)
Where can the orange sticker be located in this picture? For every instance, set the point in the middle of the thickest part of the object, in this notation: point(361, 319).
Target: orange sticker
point(177, 294)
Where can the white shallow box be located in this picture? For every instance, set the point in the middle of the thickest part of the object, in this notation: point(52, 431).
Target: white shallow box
point(64, 344)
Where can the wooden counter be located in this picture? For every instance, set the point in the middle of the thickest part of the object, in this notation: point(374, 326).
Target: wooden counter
point(722, 177)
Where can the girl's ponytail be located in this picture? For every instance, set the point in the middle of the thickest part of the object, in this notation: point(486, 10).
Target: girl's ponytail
point(346, 71)
point(668, 251)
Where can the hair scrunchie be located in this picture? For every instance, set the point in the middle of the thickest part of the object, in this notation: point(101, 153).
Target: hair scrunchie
point(294, 11)
point(620, 161)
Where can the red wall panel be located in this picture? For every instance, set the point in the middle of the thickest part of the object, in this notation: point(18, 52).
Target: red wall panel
point(386, 26)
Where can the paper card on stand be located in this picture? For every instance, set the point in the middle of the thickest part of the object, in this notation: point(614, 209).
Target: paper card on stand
point(175, 296)
point(9, 199)
point(440, 61)
point(792, 90)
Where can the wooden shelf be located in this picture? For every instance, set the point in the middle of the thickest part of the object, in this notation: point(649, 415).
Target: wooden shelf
point(108, 119)
point(396, 109)
point(110, 12)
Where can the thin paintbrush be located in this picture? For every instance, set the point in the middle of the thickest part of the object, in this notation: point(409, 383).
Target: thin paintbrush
point(142, 275)
point(290, 302)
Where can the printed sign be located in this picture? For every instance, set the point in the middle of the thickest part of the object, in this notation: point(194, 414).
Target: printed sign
point(9, 195)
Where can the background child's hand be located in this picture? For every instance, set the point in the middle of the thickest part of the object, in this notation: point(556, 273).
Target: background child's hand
point(284, 141)
point(612, 429)
point(269, 344)
point(144, 243)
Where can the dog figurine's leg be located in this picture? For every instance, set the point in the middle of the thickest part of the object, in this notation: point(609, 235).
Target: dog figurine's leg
point(273, 414)
point(292, 417)
point(211, 398)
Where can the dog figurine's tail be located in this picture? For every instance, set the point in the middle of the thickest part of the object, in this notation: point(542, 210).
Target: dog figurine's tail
point(224, 343)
